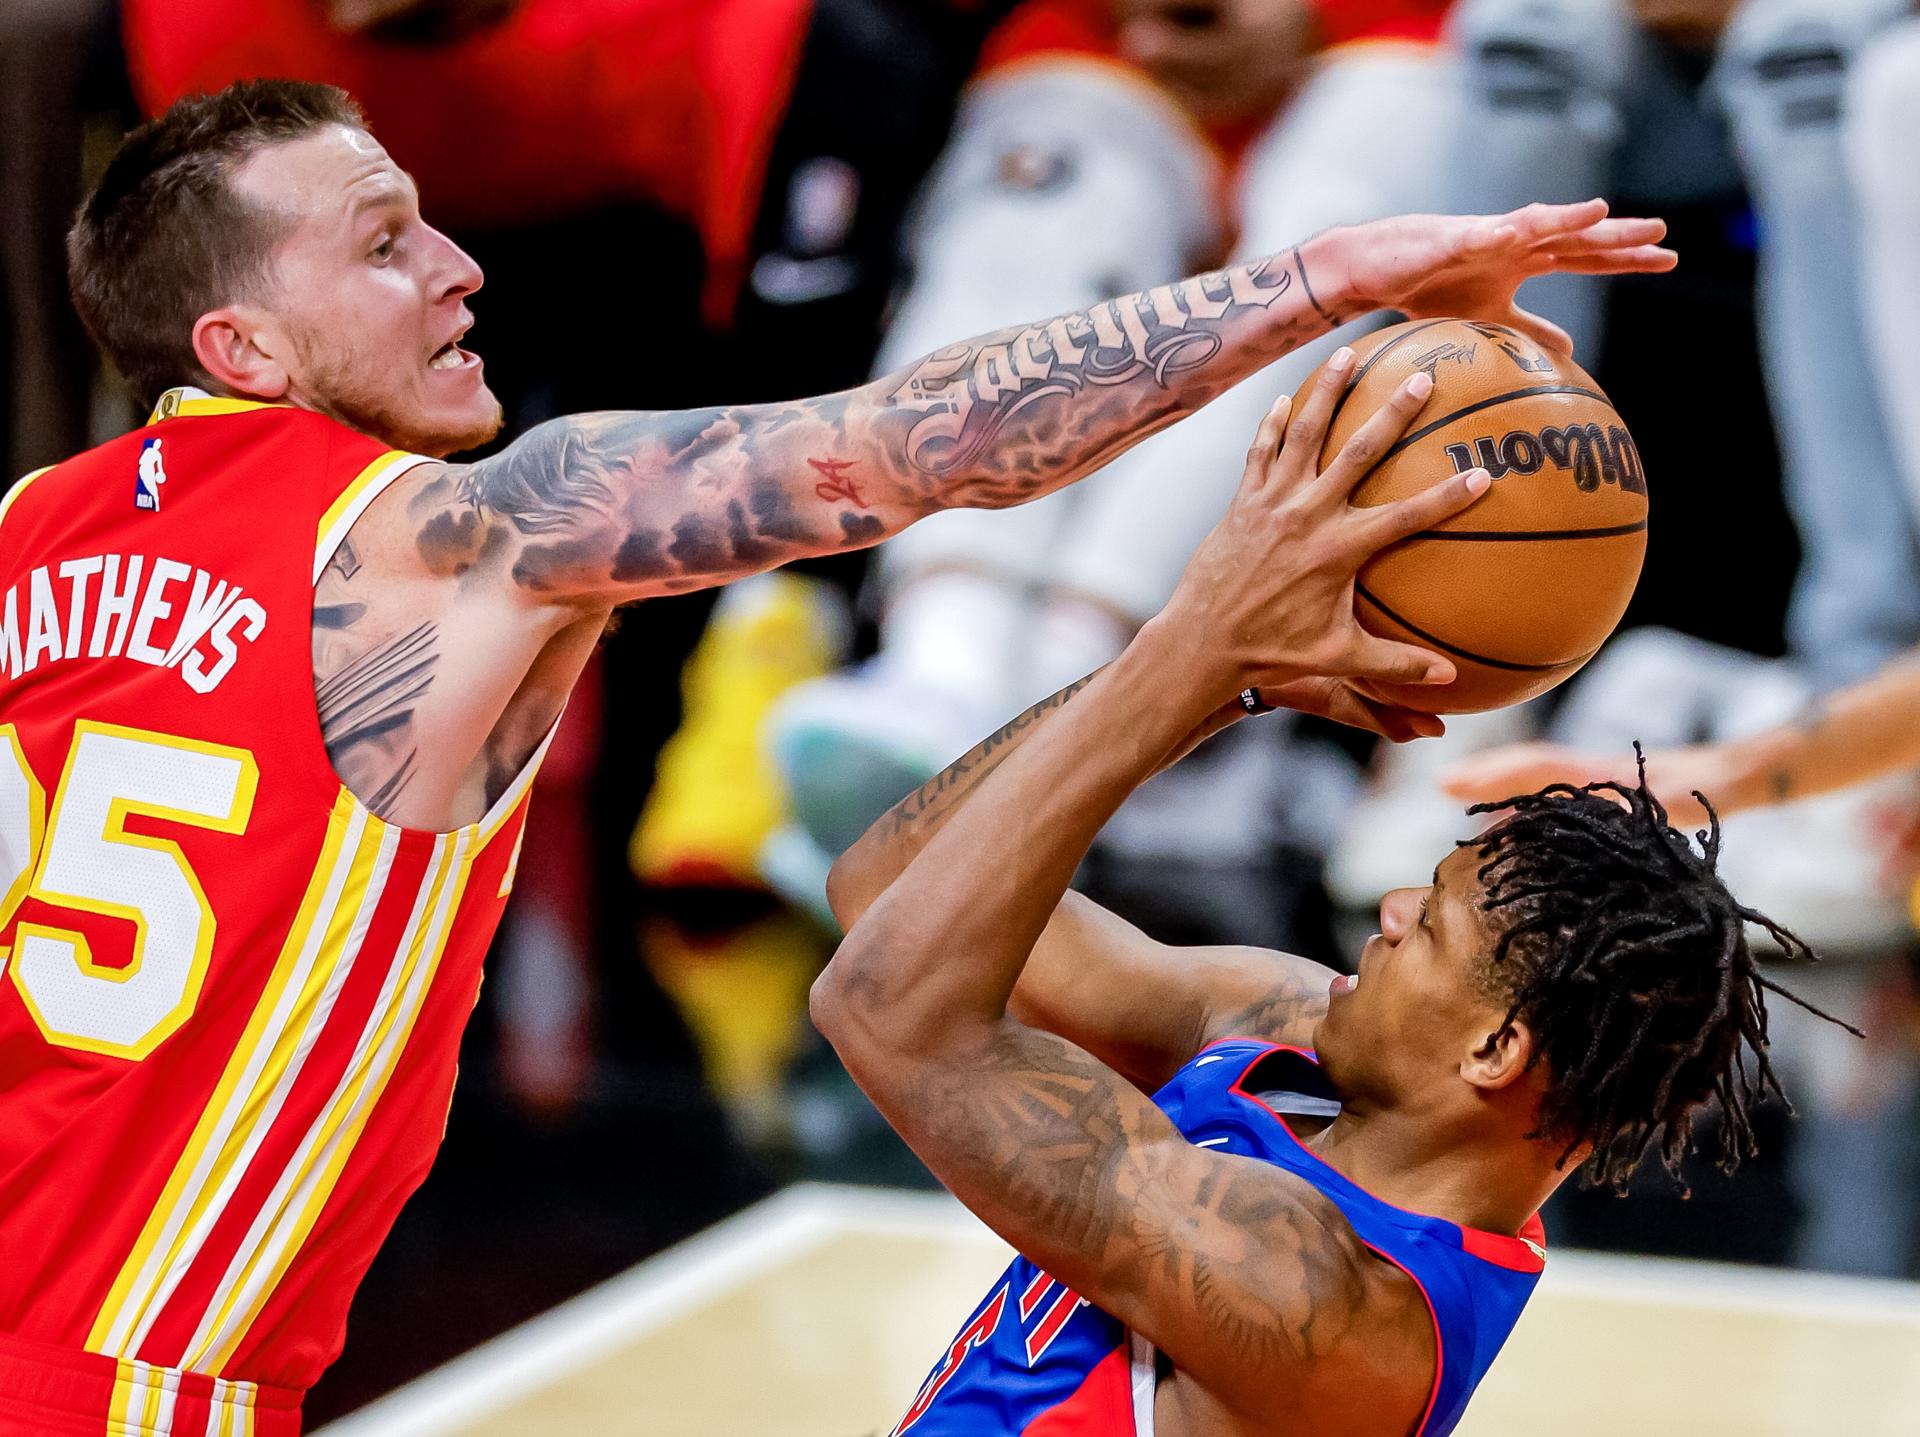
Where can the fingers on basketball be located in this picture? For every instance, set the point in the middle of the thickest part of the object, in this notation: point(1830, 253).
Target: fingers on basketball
point(1266, 448)
point(1466, 577)
point(1373, 438)
point(1383, 661)
point(1543, 332)
point(1391, 721)
point(1307, 429)
point(1381, 525)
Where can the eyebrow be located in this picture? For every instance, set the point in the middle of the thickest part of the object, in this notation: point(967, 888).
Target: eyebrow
point(1429, 909)
point(389, 193)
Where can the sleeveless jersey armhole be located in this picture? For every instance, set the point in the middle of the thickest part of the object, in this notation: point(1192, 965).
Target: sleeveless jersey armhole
point(369, 483)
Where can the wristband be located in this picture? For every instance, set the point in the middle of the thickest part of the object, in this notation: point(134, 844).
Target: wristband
point(1251, 701)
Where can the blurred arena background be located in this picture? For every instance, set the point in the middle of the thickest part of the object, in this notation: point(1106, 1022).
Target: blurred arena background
point(698, 201)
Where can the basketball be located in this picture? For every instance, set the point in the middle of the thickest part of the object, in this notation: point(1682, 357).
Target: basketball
point(1523, 588)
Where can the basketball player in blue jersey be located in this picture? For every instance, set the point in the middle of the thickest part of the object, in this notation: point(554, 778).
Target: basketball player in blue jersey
point(1324, 1219)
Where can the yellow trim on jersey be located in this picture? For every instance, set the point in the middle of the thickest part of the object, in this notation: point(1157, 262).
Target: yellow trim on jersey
point(123, 1374)
point(19, 488)
point(158, 1406)
point(361, 490)
point(246, 1288)
point(234, 821)
point(146, 1398)
point(186, 402)
point(310, 1180)
point(236, 1111)
point(36, 829)
point(199, 1189)
point(513, 864)
point(143, 1400)
point(230, 1414)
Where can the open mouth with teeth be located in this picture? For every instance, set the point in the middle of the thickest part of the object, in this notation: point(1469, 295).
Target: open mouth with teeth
point(449, 356)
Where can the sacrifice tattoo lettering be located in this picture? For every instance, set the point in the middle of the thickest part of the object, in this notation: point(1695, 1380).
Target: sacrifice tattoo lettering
point(617, 506)
point(1160, 333)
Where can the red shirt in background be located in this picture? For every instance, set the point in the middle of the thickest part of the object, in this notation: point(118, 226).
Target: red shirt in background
point(1086, 26)
point(563, 107)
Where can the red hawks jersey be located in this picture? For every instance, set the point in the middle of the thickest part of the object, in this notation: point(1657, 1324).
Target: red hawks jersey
point(231, 997)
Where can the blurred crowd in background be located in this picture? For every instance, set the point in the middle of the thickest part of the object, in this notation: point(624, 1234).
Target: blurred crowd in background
point(683, 202)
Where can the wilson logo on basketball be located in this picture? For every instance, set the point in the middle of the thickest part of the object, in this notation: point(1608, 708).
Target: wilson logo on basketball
point(1595, 455)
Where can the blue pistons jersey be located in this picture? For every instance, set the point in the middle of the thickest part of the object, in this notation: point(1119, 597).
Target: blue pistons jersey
point(1035, 1359)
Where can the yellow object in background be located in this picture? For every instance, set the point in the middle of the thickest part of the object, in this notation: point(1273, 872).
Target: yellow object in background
point(744, 995)
point(716, 797)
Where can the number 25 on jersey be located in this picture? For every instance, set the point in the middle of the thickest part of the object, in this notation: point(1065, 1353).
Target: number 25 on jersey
point(79, 856)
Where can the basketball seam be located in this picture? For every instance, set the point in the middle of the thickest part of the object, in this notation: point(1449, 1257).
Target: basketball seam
point(1503, 536)
point(1457, 651)
point(1528, 393)
point(1372, 359)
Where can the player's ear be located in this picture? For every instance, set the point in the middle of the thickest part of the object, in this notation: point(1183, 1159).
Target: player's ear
point(1500, 1058)
point(237, 355)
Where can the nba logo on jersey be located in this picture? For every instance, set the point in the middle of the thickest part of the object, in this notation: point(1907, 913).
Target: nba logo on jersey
point(151, 475)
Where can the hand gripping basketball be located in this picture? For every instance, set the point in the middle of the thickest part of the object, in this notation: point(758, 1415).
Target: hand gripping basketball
point(1269, 593)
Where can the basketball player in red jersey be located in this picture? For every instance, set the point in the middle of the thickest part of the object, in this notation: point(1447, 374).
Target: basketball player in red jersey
point(274, 678)
point(1250, 1196)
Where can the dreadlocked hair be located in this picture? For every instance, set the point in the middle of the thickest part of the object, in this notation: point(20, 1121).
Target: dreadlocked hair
point(1627, 958)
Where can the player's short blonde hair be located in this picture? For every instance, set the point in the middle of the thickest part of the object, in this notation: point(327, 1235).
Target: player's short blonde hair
point(164, 237)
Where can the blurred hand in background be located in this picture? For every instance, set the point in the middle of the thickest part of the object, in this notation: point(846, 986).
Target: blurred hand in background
point(1674, 775)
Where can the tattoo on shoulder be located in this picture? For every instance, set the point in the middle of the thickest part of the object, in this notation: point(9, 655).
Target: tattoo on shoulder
point(345, 562)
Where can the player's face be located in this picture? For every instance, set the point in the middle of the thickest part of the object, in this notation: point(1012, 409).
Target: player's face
point(1414, 1013)
point(366, 301)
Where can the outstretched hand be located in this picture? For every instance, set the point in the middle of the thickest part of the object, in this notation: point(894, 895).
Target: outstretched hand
point(1672, 774)
point(1268, 596)
point(1469, 266)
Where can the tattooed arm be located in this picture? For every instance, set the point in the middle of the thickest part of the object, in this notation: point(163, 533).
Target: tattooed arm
point(1141, 1006)
point(1248, 1279)
point(449, 636)
point(615, 506)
